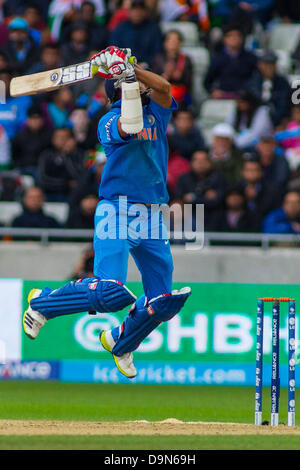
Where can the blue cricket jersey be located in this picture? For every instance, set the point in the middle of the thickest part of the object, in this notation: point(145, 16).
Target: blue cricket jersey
point(137, 166)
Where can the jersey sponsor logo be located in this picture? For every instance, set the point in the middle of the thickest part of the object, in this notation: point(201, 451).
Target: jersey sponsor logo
point(32, 370)
point(147, 134)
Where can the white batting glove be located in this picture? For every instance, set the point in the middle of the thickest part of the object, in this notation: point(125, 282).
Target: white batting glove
point(112, 63)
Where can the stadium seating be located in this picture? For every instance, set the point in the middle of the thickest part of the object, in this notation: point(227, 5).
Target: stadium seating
point(188, 30)
point(200, 59)
point(10, 210)
point(284, 63)
point(285, 37)
point(292, 78)
point(212, 113)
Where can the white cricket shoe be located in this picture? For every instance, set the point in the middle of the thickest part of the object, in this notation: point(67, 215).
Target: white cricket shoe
point(125, 362)
point(33, 320)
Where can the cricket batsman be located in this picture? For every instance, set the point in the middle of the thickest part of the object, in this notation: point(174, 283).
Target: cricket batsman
point(135, 174)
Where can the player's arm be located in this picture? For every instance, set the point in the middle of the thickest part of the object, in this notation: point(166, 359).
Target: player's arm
point(121, 132)
point(161, 88)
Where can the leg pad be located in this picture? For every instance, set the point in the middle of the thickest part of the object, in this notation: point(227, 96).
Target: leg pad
point(91, 294)
point(144, 317)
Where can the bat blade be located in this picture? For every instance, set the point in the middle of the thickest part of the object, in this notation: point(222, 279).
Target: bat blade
point(51, 79)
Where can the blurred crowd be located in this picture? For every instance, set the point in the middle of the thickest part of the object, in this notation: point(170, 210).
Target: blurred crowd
point(246, 171)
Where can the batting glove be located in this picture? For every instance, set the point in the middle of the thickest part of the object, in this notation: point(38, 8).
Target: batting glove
point(112, 63)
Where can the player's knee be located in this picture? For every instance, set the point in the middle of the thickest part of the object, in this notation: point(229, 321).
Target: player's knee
point(166, 306)
point(108, 295)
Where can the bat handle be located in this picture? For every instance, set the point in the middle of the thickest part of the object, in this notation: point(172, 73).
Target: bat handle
point(132, 60)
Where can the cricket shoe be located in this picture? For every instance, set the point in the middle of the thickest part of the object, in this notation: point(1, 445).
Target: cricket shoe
point(33, 320)
point(125, 362)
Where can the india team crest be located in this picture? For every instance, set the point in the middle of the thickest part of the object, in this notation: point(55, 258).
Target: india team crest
point(151, 119)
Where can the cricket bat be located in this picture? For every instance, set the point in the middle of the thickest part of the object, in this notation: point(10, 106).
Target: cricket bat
point(53, 79)
point(131, 113)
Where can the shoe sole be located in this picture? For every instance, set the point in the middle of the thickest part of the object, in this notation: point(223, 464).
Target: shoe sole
point(30, 295)
point(107, 347)
point(104, 342)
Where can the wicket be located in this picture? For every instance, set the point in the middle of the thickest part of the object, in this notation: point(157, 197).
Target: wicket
point(275, 379)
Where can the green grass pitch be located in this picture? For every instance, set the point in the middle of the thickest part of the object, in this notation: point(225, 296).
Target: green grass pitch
point(98, 402)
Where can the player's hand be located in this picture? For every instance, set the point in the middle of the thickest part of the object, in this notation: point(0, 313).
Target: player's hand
point(112, 62)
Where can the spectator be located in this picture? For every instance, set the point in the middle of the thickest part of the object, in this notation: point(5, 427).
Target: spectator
point(94, 100)
point(4, 60)
point(77, 48)
point(139, 33)
point(50, 59)
point(295, 56)
point(262, 196)
point(120, 14)
point(60, 166)
point(235, 11)
point(176, 67)
point(226, 157)
point(90, 179)
point(3, 34)
point(32, 15)
point(186, 138)
point(288, 10)
point(285, 219)
point(33, 214)
point(235, 217)
point(250, 120)
point(86, 15)
point(271, 88)
point(5, 150)
point(10, 185)
point(289, 138)
point(275, 167)
point(85, 265)
point(67, 11)
point(80, 123)
point(231, 67)
point(13, 112)
point(15, 7)
point(98, 33)
point(98, 102)
point(186, 10)
point(82, 216)
point(30, 141)
point(202, 185)
point(294, 181)
point(177, 165)
point(21, 49)
point(57, 111)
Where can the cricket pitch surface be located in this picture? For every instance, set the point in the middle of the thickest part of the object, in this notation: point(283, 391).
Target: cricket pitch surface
point(167, 427)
